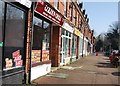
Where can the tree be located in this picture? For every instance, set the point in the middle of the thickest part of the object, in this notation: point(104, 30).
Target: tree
point(99, 43)
point(112, 36)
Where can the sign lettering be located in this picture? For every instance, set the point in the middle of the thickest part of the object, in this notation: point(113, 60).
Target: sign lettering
point(45, 10)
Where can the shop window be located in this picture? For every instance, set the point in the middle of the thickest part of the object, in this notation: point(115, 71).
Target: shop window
point(37, 22)
point(69, 43)
point(56, 4)
point(37, 39)
point(75, 17)
point(69, 34)
point(66, 44)
point(71, 10)
point(1, 31)
point(45, 42)
point(14, 38)
point(74, 42)
point(81, 43)
point(78, 22)
point(65, 7)
point(63, 31)
point(41, 40)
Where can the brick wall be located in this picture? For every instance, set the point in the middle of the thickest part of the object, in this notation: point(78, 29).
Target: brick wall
point(51, 2)
point(28, 41)
point(56, 44)
point(61, 7)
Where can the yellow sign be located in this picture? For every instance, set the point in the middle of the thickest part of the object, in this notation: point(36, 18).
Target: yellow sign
point(77, 32)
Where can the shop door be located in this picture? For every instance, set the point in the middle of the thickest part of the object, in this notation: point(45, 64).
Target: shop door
point(65, 49)
point(62, 52)
point(14, 45)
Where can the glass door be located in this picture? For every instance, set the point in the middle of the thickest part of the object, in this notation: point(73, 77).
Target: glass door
point(62, 52)
point(65, 49)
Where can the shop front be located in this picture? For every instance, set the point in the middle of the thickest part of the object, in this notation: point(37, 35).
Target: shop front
point(75, 44)
point(66, 44)
point(1, 41)
point(80, 44)
point(43, 20)
point(88, 46)
point(13, 41)
point(91, 50)
point(85, 51)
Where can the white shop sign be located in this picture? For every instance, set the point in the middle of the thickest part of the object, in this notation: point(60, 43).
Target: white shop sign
point(26, 3)
point(67, 27)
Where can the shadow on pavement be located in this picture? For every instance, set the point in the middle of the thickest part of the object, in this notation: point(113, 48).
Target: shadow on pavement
point(116, 73)
point(108, 61)
point(104, 65)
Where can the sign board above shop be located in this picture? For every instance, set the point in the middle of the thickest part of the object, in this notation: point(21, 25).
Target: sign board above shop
point(77, 32)
point(67, 27)
point(26, 3)
point(46, 10)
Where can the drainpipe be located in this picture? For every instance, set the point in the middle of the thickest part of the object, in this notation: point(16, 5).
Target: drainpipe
point(30, 58)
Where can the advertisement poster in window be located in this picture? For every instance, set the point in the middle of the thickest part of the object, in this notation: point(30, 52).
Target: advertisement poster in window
point(17, 58)
point(36, 56)
point(15, 61)
point(45, 55)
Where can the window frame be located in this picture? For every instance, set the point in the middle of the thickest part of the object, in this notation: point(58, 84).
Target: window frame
point(25, 10)
point(75, 17)
point(41, 42)
point(56, 2)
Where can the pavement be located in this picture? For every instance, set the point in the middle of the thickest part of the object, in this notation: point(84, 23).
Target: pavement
point(90, 70)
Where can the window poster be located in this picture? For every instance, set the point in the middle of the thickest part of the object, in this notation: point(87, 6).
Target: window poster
point(45, 55)
point(36, 56)
point(17, 58)
point(15, 61)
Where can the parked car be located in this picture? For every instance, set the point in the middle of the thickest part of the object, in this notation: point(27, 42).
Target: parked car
point(115, 51)
point(115, 58)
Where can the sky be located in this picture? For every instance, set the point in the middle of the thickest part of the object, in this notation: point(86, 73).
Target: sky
point(101, 14)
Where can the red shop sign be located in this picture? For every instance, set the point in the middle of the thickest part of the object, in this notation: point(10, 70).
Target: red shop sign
point(45, 10)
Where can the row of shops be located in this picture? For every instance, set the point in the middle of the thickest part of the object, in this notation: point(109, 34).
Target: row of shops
point(35, 37)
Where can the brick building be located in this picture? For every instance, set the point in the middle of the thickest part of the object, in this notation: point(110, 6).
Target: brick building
point(56, 33)
point(69, 37)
